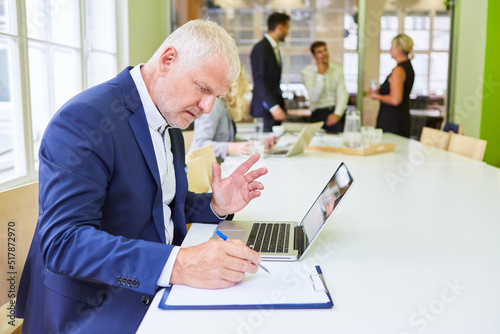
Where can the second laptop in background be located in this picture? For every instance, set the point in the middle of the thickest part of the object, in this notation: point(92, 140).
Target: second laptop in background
point(304, 138)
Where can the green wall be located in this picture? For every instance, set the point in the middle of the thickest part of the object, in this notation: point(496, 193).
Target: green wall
point(468, 53)
point(149, 25)
point(490, 118)
point(475, 73)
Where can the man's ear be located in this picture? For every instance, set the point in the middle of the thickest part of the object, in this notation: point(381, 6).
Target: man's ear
point(167, 58)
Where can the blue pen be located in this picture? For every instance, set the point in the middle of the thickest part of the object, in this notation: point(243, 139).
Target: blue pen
point(224, 237)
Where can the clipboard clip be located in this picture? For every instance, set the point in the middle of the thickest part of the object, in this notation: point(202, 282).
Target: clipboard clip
point(318, 281)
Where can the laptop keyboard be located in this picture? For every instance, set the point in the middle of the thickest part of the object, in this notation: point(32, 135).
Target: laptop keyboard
point(269, 237)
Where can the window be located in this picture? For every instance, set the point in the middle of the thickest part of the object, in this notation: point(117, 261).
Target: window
point(330, 21)
point(101, 41)
point(389, 24)
point(66, 46)
point(350, 60)
point(430, 31)
point(417, 26)
point(439, 54)
point(12, 158)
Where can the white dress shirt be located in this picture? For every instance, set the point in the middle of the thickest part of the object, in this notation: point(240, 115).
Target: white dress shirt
point(165, 160)
point(326, 90)
point(275, 46)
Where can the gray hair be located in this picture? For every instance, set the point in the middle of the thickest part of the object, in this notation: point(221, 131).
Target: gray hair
point(201, 40)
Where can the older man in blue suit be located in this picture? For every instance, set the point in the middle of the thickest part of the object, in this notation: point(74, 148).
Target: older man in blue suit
point(114, 198)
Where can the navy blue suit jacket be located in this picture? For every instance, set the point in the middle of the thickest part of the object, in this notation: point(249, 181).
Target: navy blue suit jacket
point(99, 246)
point(266, 74)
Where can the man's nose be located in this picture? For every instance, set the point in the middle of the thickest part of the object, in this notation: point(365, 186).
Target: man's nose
point(206, 103)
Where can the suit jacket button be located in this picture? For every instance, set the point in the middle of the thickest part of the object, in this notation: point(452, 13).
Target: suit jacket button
point(145, 300)
point(135, 283)
point(119, 280)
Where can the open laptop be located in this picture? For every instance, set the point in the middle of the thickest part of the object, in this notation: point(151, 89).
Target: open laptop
point(289, 241)
point(303, 139)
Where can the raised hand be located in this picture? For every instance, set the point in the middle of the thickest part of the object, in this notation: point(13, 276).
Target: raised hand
point(233, 193)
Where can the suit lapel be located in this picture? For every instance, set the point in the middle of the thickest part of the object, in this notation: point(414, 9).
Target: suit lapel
point(143, 138)
point(139, 126)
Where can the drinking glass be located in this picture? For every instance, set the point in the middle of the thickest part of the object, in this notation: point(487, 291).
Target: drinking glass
point(367, 135)
point(377, 136)
point(259, 127)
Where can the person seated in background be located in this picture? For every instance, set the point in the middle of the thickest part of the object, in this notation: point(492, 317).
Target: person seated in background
point(218, 127)
point(324, 82)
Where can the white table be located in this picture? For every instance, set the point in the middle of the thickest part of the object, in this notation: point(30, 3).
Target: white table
point(420, 255)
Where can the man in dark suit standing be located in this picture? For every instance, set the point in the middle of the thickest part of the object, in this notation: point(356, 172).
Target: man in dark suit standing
point(267, 99)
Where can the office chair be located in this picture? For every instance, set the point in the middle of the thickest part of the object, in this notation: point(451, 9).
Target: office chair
point(19, 214)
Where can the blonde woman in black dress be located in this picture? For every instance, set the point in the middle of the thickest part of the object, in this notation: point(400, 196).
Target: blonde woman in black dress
point(394, 93)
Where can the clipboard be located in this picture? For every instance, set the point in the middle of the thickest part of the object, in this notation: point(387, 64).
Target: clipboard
point(291, 285)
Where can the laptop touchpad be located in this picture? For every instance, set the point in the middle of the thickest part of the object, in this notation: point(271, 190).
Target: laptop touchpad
point(231, 230)
point(234, 234)
point(226, 225)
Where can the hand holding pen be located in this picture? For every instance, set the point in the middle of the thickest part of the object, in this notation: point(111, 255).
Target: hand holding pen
point(225, 238)
point(214, 264)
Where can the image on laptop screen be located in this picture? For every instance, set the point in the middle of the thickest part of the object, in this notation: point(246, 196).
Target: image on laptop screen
point(326, 202)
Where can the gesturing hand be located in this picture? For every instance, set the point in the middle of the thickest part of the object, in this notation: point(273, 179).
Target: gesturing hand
point(233, 193)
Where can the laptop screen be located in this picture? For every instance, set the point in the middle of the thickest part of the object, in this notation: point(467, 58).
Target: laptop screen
point(326, 202)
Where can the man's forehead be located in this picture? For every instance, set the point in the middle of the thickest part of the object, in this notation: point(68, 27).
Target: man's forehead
point(321, 48)
point(214, 75)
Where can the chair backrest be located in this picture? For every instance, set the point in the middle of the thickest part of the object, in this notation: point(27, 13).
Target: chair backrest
point(456, 128)
point(434, 137)
point(18, 214)
point(470, 147)
point(208, 154)
point(188, 139)
point(197, 175)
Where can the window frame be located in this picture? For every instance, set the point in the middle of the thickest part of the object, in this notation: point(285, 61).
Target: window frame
point(30, 170)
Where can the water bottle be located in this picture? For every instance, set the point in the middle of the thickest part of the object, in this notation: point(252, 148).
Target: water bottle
point(352, 128)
